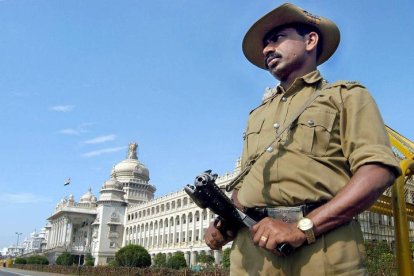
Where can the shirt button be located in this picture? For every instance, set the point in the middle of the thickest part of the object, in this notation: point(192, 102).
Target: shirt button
point(311, 122)
point(284, 99)
point(269, 149)
point(276, 125)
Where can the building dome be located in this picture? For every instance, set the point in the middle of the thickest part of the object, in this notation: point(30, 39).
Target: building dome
point(131, 166)
point(87, 197)
point(112, 183)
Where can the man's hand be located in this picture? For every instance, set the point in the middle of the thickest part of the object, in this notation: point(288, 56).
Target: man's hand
point(268, 233)
point(214, 238)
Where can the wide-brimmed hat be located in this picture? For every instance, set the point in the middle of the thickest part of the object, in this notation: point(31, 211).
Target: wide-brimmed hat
point(284, 15)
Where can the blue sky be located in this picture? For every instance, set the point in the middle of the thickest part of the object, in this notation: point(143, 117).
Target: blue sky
point(79, 80)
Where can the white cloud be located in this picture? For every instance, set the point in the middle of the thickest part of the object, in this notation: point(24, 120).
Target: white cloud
point(76, 131)
point(101, 139)
point(102, 151)
point(69, 131)
point(62, 108)
point(23, 198)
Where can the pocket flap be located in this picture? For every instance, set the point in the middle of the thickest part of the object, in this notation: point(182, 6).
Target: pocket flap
point(313, 118)
point(255, 128)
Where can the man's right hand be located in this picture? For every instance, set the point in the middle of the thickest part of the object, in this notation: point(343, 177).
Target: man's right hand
point(214, 238)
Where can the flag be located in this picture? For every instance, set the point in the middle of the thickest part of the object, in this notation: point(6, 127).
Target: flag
point(67, 182)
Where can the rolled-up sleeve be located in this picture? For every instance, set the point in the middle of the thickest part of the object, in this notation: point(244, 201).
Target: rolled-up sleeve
point(362, 131)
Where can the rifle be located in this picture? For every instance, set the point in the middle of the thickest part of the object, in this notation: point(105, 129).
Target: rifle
point(206, 194)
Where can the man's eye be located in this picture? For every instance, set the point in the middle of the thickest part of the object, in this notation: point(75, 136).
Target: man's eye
point(273, 38)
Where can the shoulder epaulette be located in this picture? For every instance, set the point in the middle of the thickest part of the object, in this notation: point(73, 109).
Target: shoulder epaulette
point(346, 84)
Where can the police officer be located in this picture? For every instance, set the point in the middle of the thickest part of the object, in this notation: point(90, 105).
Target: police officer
point(329, 157)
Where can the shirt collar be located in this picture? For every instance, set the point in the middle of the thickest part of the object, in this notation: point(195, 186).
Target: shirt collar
point(308, 79)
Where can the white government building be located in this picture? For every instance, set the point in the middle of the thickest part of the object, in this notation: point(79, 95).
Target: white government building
point(127, 213)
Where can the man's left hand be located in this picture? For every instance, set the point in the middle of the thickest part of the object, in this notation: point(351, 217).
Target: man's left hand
point(268, 233)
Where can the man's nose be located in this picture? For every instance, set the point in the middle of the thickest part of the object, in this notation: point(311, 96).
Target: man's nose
point(269, 48)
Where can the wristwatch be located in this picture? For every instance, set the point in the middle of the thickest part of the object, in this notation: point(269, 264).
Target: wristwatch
point(306, 226)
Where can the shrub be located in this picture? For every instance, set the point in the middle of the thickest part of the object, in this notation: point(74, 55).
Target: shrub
point(160, 260)
point(177, 261)
point(20, 261)
point(204, 258)
point(37, 259)
point(380, 258)
point(226, 257)
point(65, 259)
point(133, 255)
point(89, 261)
point(112, 264)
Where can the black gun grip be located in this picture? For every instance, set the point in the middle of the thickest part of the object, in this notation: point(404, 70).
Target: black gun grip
point(224, 227)
point(285, 249)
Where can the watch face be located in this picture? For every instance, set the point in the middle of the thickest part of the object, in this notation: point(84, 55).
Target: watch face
point(305, 224)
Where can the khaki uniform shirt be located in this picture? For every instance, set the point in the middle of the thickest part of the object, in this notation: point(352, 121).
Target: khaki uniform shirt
point(317, 155)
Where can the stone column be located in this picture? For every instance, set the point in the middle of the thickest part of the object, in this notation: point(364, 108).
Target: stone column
point(51, 235)
point(174, 230)
point(89, 237)
point(192, 258)
point(193, 228)
point(217, 256)
point(65, 227)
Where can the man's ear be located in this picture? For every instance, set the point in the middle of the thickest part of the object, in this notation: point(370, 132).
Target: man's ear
point(312, 41)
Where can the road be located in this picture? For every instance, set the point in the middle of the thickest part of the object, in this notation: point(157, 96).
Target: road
point(21, 272)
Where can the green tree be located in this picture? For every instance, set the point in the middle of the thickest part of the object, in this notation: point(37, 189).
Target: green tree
point(37, 259)
point(380, 258)
point(177, 261)
point(160, 260)
point(226, 258)
point(133, 255)
point(20, 261)
point(65, 259)
point(89, 261)
point(204, 258)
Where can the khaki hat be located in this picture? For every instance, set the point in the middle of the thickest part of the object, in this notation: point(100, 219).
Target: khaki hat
point(283, 15)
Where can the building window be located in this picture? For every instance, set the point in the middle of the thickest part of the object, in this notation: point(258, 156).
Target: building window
point(112, 228)
point(112, 245)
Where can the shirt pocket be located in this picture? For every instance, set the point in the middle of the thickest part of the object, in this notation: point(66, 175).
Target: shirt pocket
point(311, 132)
point(253, 137)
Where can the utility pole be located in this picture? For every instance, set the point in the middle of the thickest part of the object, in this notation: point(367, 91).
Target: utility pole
point(17, 243)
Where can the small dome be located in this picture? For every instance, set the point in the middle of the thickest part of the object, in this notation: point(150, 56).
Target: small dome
point(112, 183)
point(87, 197)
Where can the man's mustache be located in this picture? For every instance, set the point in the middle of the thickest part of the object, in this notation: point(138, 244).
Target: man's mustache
point(269, 56)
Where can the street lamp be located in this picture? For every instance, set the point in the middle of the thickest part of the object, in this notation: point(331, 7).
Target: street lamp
point(17, 243)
